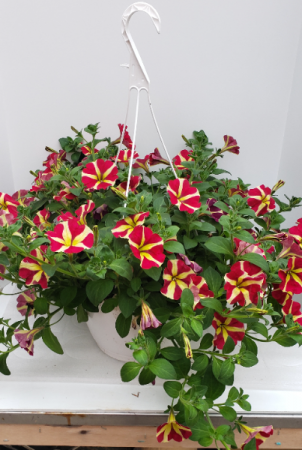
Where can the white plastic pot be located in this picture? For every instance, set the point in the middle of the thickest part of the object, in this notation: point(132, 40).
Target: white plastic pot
point(102, 328)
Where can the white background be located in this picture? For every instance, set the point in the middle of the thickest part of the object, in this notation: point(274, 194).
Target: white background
point(228, 67)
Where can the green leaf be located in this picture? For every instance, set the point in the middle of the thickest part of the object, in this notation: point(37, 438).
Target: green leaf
point(172, 353)
point(251, 445)
point(98, 290)
point(51, 341)
point(259, 328)
point(172, 388)
point(213, 279)
point(3, 366)
point(174, 247)
point(172, 231)
point(197, 327)
point(122, 267)
point(109, 305)
point(129, 371)
point(220, 244)
point(200, 363)
point(123, 325)
point(212, 303)
point(141, 357)
point(222, 206)
point(256, 259)
point(229, 345)
point(82, 315)
point(162, 369)
point(135, 284)
point(189, 243)
point(37, 242)
point(202, 226)
point(34, 206)
point(206, 341)
point(248, 359)
point(244, 405)
point(226, 370)
point(233, 394)
point(187, 297)
point(228, 413)
point(215, 388)
point(245, 236)
point(127, 304)
point(154, 273)
point(4, 259)
point(146, 376)
point(206, 440)
point(49, 269)
point(171, 328)
point(251, 346)
point(41, 305)
point(68, 294)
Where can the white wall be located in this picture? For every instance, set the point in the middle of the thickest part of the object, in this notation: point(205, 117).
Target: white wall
point(224, 66)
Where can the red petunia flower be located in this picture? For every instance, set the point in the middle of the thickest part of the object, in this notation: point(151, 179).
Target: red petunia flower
point(290, 248)
point(41, 179)
point(8, 205)
point(172, 430)
point(296, 232)
point(55, 159)
point(134, 182)
point(7, 219)
point(70, 237)
point(20, 197)
point(225, 327)
point(293, 308)
point(25, 301)
point(25, 339)
point(237, 191)
point(99, 174)
point(148, 319)
point(83, 211)
point(156, 158)
point(177, 277)
point(216, 212)
point(127, 142)
point(183, 195)
point(147, 247)
point(243, 283)
point(292, 277)
point(142, 163)
point(2, 270)
point(230, 145)
point(86, 150)
point(40, 220)
point(200, 290)
point(259, 433)
point(183, 156)
point(194, 266)
point(242, 248)
point(31, 270)
point(260, 200)
point(64, 194)
point(281, 296)
point(124, 156)
point(124, 227)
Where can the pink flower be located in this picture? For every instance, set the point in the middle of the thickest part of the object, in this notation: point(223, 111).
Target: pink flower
point(20, 196)
point(40, 220)
point(230, 145)
point(25, 339)
point(242, 248)
point(156, 158)
point(148, 319)
point(25, 301)
point(216, 213)
point(194, 266)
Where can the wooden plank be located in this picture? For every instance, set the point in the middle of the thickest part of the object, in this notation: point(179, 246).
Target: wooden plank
point(113, 436)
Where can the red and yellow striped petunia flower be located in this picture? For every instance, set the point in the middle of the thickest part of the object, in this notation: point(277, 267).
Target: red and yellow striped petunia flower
point(172, 430)
point(243, 283)
point(259, 433)
point(70, 237)
point(20, 197)
point(82, 212)
point(230, 145)
point(200, 290)
point(293, 308)
point(183, 195)
point(124, 227)
point(8, 205)
point(31, 270)
point(147, 246)
point(40, 220)
point(183, 156)
point(260, 200)
point(142, 163)
point(25, 339)
point(124, 156)
point(148, 319)
point(281, 296)
point(99, 174)
point(134, 182)
point(292, 276)
point(226, 326)
point(25, 301)
point(86, 150)
point(177, 277)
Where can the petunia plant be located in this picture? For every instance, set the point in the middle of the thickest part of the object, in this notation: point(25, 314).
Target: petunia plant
point(199, 264)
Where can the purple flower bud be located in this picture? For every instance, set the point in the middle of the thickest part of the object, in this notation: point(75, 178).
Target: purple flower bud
point(100, 212)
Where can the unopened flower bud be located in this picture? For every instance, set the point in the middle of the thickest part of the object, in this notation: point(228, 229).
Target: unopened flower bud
point(278, 185)
point(50, 150)
point(188, 349)
point(95, 230)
